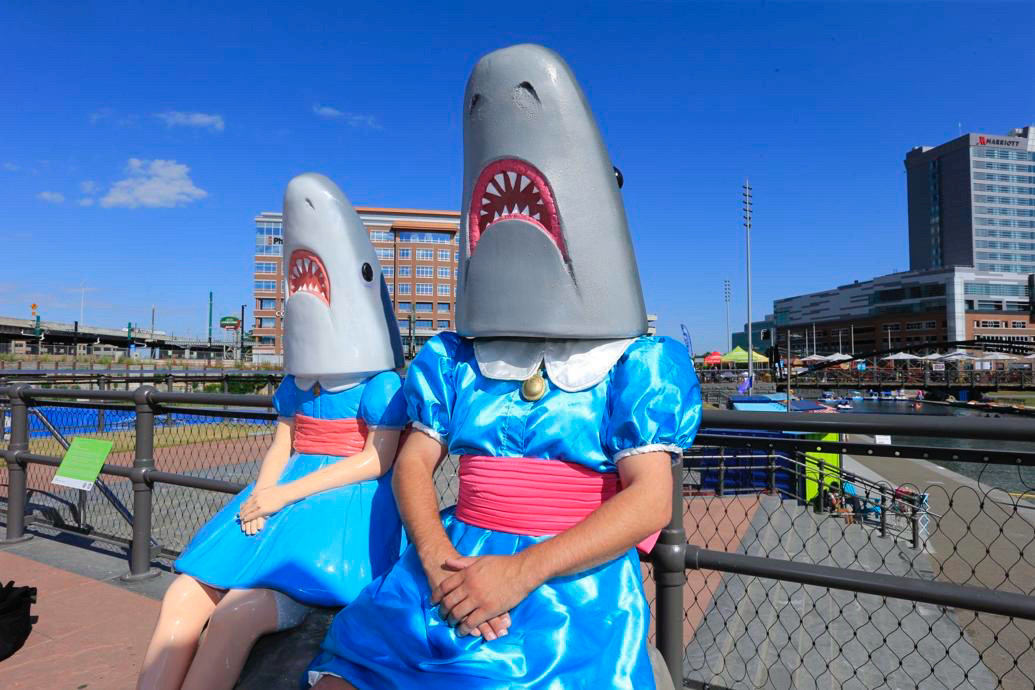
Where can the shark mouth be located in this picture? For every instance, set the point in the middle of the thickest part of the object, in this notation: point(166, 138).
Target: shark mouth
point(307, 274)
point(512, 189)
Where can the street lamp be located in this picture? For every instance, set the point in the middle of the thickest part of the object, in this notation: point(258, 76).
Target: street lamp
point(727, 292)
point(747, 233)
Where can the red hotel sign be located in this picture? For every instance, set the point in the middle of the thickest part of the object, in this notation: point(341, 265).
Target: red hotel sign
point(987, 141)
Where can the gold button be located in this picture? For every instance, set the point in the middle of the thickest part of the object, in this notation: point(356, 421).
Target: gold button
point(534, 387)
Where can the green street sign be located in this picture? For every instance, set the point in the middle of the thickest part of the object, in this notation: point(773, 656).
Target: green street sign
point(82, 463)
point(230, 323)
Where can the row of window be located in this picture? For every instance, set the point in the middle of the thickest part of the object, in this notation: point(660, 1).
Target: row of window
point(426, 324)
point(444, 290)
point(1003, 177)
point(989, 305)
point(1004, 154)
point(1000, 324)
point(1015, 167)
point(1007, 234)
point(1005, 222)
point(1007, 268)
point(269, 229)
point(265, 267)
point(992, 244)
point(920, 325)
point(265, 286)
point(427, 237)
point(1005, 256)
point(423, 307)
point(1008, 338)
point(1014, 200)
point(385, 253)
point(994, 211)
point(995, 290)
point(420, 271)
point(269, 250)
point(1003, 189)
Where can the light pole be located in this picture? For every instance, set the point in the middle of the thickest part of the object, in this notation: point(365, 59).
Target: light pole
point(747, 234)
point(727, 292)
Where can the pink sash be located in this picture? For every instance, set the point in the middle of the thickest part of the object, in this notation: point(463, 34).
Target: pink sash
point(532, 496)
point(341, 437)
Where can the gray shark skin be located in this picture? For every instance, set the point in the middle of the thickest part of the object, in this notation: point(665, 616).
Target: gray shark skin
point(545, 248)
point(338, 318)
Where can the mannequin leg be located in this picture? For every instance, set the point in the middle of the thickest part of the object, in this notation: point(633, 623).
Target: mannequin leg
point(241, 617)
point(186, 607)
point(332, 683)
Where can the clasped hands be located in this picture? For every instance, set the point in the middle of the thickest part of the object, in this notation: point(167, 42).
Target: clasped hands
point(263, 502)
point(476, 593)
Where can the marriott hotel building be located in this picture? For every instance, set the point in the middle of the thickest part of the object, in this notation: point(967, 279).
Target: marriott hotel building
point(419, 252)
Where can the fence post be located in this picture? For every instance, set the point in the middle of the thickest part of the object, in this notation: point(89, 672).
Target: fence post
point(669, 560)
point(771, 469)
point(884, 505)
point(102, 382)
point(143, 460)
point(16, 481)
point(820, 483)
point(914, 518)
point(720, 489)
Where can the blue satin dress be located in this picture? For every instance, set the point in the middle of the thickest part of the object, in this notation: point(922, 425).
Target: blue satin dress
point(324, 549)
point(581, 631)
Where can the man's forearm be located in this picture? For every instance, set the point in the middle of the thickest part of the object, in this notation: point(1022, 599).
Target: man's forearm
point(414, 486)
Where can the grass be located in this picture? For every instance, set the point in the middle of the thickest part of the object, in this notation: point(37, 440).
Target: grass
point(165, 437)
point(1013, 398)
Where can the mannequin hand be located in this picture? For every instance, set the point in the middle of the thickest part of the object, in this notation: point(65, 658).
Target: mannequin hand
point(261, 503)
point(438, 570)
point(482, 588)
point(252, 527)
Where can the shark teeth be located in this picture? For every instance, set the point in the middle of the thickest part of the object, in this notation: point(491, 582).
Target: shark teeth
point(510, 194)
point(306, 273)
point(513, 189)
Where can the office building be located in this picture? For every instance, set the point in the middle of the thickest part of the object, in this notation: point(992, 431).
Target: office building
point(419, 254)
point(972, 203)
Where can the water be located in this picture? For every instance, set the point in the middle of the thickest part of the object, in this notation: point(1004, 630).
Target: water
point(1007, 477)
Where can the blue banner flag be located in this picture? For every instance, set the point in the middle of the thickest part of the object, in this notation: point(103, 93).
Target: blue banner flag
point(686, 339)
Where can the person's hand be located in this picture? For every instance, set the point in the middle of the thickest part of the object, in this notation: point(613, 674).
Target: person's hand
point(261, 503)
point(445, 564)
point(481, 589)
point(252, 527)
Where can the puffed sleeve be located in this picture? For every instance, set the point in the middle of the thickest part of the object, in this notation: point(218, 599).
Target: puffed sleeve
point(382, 405)
point(429, 387)
point(284, 398)
point(655, 400)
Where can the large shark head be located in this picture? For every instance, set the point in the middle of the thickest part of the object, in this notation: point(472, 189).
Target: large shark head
point(338, 319)
point(545, 246)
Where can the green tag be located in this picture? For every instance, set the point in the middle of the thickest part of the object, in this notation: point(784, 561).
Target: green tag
point(82, 463)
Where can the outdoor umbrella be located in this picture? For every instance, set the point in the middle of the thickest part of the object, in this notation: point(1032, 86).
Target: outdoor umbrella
point(814, 358)
point(899, 357)
point(997, 357)
point(956, 356)
point(838, 357)
point(932, 357)
point(713, 358)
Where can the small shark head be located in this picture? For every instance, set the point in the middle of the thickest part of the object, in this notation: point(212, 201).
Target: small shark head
point(545, 249)
point(338, 318)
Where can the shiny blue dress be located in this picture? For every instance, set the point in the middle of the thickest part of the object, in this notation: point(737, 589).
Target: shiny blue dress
point(324, 549)
point(581, 631)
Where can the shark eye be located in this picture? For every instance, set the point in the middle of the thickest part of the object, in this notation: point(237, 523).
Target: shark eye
point(368, 272)
point(618, 177)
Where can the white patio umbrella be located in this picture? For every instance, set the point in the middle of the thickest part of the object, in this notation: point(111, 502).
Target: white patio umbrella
point(899, 357)
point(1031, 356)
point(932, 357)
point(956, 356)
point(838, 357)
point(997, 357)
point(814, 358)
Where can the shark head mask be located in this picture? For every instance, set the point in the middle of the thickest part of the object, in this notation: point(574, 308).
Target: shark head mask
point(338, 322)
point(545, 247)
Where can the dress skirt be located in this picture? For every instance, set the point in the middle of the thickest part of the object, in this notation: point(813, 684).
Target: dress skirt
point(320, 551)
point(583, 631)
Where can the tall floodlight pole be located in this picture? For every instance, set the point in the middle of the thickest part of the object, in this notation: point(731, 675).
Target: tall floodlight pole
point(747, 235)
point(727, 292)
point(210, 321)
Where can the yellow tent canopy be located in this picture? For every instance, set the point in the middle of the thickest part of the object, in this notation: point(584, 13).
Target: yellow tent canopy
point(739, 355)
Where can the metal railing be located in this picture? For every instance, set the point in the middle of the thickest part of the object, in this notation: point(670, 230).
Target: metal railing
point(777, 579)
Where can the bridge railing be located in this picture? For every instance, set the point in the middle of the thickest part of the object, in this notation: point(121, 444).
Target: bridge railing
point(754, 589)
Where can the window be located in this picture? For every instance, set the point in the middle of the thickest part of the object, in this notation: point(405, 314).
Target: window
point(456, 256)
point(424, 307)
point(443, 254)
point(443, 290)
point(384, 253)
point(443, 271)
point(267, 303)
point(423, 323)
point(404, 253)
point(425, 272)
point(1018, 324)
point(988, 324)
point(891, 327)
point(426, 237)
point(405, 307)
point(265, 322)
point(930, 324)
point(404, 288)
point(265, 267)
point(381, 236)
point(267, 340)
point(388, 271)
point(404, 271)
point(442, 323)
point(996, 289)
point(989, 305)
point(426, 254)
point(424, 289)
point(443, 307)
point(915, 326)
point(266, 286)
point(404, 325)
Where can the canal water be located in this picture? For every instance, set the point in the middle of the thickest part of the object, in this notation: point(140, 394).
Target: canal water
point(1007, 477)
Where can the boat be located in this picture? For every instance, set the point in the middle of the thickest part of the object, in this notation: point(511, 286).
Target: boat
point(844, 405)
point(857, 395)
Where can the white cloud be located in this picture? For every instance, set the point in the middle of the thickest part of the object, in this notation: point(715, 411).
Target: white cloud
point(88, 186)
point(10, 167)
point(153, 183)
point(86, 201)
point(51, 197)
point(174, 118)
point(351, 119)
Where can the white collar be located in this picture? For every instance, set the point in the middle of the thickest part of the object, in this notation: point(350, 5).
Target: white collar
point(572, 365)
point(332, 383)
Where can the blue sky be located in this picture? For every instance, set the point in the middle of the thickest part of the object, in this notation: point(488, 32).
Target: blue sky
point(138, 140)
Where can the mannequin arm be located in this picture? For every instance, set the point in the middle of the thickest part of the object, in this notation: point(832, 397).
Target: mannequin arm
point(278, 454)
point(373, 461)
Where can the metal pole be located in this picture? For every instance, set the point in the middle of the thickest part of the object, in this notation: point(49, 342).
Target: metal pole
point(727, 292)
point(813, 337)
point(143, 461)
point(852, 327)
point(209, 354)
point(16, 481)
point(747, 228)
point(669, 560)
point(152, 331)
point(240, 336)
point(787, 369)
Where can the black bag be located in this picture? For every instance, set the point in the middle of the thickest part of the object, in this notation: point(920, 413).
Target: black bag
point(15, 620)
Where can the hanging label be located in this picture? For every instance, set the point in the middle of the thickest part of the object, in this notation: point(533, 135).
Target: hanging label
point(82, 463)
